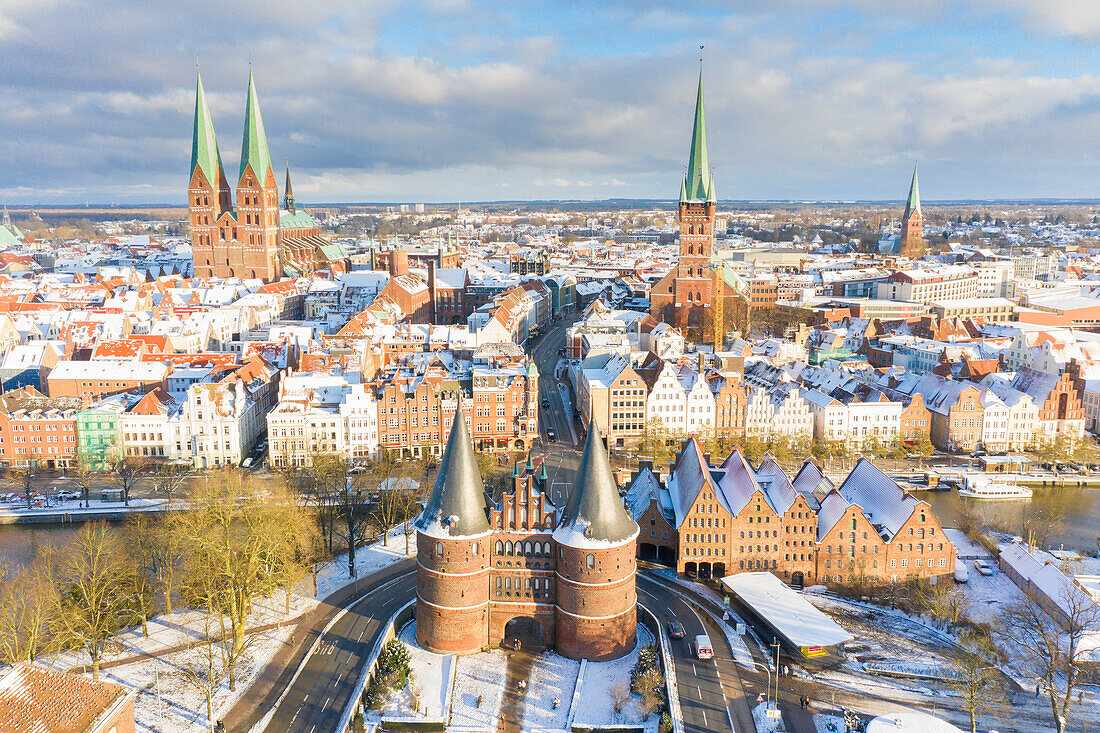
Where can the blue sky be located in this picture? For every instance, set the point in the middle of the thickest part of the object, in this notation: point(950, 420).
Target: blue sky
point(456, 100)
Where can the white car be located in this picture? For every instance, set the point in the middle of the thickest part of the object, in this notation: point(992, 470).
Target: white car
point(983, 567)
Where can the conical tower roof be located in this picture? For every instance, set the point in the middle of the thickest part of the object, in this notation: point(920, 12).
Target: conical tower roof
point(204, 145)
point(697, 185)
point(457, 506)
point(594, 514)
point(912, 204)
point(254, 146)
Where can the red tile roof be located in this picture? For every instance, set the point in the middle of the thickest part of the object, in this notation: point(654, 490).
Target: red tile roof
point(35, 699)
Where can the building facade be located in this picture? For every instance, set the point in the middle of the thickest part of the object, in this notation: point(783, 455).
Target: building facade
point(525, 571)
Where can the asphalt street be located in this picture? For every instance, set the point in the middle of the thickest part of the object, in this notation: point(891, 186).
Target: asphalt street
point(324, 688)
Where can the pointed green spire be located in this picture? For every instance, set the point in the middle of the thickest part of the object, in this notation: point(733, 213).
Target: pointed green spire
point(912, 204)
point(204, 146)
point(288, 192)
point(697, 184)
point(530, 463)
point(254, 147)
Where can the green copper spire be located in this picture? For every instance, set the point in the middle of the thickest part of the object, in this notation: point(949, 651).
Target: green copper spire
point(912, 204)
point(697, 184)
point(254, 148)
point(204, 146)
point(288, 192)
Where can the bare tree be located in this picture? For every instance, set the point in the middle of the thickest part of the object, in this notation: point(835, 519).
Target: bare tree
point(94, 587)
point(170, 478)
point(170, 551)
point(204, 669)
point(1052, 649)
point(140, 544)
point(619, 694)
point(25, 472)
point(974, 675)
point(85, 474)
point(29, 606)
point(128, 471)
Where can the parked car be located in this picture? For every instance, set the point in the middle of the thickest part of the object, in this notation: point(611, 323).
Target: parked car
point(983, 567)
point(66, 495)
point(676, 630)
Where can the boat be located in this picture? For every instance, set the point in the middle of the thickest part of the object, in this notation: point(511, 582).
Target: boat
point(980, 487)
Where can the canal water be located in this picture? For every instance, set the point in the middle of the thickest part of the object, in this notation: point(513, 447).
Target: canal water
point(1080, 528)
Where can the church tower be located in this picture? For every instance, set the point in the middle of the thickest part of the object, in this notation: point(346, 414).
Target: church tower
point(693, 287)
point(912, 221)
point(257, 199)
point(596, 615)
point(208, 195)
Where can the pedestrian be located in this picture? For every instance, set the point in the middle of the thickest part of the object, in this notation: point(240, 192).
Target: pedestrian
point(557, 701)
point(786, 671)
point(479, 702)
point(1036, 689)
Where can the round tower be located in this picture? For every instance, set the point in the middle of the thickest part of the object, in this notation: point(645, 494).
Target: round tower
point(596, 614)
point(452, 546)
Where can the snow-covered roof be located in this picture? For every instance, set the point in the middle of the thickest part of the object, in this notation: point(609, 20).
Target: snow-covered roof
point(799, 622)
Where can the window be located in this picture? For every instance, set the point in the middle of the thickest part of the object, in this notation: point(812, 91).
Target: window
point(439, 549)
point(590, 561)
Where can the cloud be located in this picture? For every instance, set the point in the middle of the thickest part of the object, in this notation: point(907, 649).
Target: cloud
point(368, 105)
point(1077, 18)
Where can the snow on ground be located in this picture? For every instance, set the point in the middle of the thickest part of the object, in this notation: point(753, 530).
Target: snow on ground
point(822, 723)
point(166, 705)
point(175, 708)
point(552, 675)
point(183, 626)
point(988, 596)
point(595, 706)
point(18, 507)
point(430, 677)
point(964, 548)
point(478, 675)
point(764, 723)
point(368, 559)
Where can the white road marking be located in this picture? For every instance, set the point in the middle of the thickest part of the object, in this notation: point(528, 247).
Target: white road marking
point(704, 711)
point(729, 715)
point(699, 692)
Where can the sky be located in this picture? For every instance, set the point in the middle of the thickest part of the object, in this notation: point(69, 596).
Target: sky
point(463, 101)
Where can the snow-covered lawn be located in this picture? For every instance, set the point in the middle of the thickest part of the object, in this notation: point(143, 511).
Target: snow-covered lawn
point(551, 676)
point(177, 709)
point(166, 705)
point(478, 675)
point(431, 675)
point(764, 722)
point(595, 707)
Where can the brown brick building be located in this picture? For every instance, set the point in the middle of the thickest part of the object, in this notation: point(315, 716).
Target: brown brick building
point(718, 520)
point(38, 428)
point(526, 570)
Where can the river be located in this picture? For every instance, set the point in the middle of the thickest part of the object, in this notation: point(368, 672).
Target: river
point(19, 543)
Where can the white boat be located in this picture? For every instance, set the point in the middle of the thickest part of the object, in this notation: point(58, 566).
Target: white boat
point(982, 487)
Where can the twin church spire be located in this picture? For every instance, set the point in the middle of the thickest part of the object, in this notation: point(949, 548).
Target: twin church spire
point(204, 145)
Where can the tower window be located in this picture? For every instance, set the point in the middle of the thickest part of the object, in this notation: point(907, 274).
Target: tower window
point(590, 561)
point(439, 549)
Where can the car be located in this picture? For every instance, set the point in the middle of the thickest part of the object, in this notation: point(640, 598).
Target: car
point(546, 404)
point(357, 469)
point(67, 495)
point(983, 567)
point(702, 647)
point(551, 435)
point(676, 630)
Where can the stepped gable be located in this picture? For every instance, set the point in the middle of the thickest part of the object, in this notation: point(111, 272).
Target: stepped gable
point(457, 506)
point(594, 514)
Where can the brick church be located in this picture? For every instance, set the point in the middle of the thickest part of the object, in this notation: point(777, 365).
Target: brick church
point(687, 297)
point(257, 239)
point(525, 569)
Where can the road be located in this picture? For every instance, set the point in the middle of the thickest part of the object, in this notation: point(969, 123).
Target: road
point(712, 699)
point(322, 691)
point(562, 456)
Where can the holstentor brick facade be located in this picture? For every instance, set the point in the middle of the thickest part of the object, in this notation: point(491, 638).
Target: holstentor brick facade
point(526, 569)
